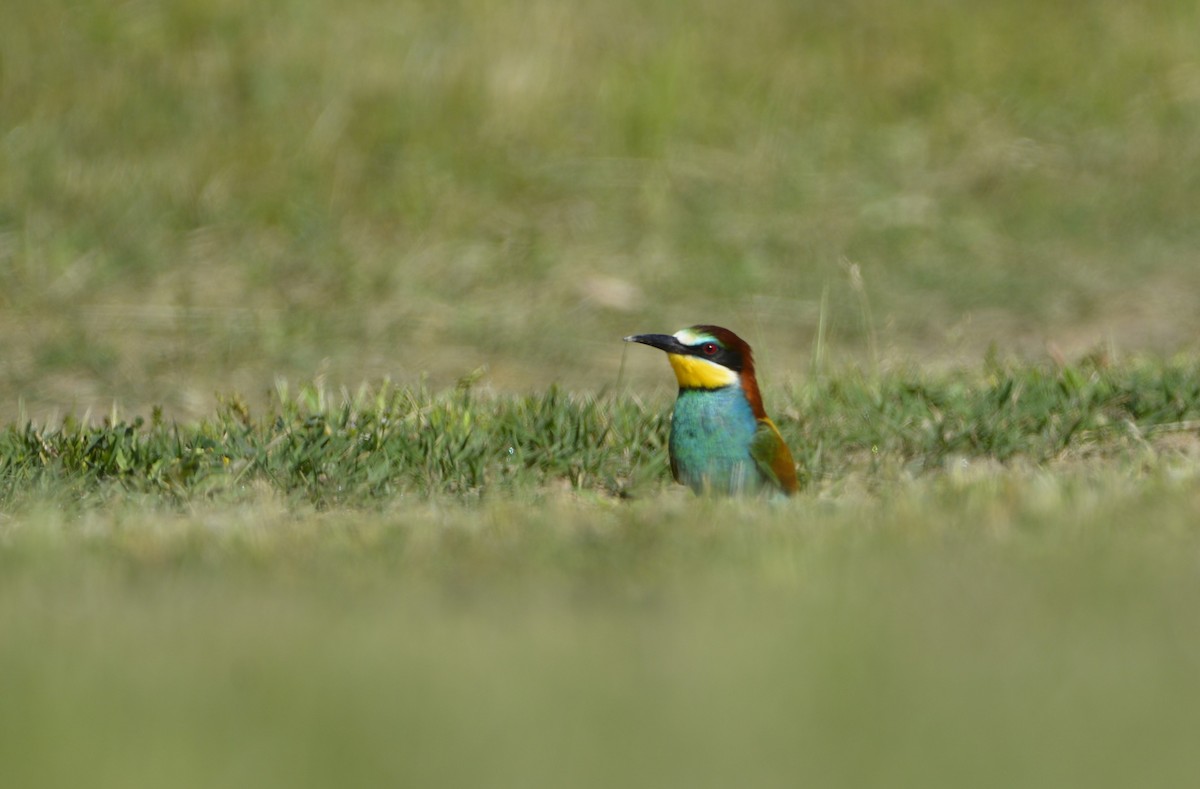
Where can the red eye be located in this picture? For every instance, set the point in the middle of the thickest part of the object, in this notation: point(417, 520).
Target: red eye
point(709, 348)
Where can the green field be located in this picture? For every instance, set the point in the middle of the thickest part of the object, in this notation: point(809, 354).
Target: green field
point(322, 462)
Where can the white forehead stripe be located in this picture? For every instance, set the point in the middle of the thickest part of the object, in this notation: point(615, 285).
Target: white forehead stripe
point(689, 337)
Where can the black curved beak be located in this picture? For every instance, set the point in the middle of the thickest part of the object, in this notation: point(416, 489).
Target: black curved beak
point(663, 342)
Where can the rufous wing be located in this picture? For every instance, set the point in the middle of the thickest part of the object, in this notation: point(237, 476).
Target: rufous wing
point(773, 457)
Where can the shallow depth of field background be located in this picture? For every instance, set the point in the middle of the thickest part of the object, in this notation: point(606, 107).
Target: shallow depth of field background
point(196, 197)
point(202, 198)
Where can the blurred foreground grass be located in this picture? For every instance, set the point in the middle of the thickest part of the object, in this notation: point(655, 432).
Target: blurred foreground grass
point(1013, 628)
point(198, 195)
point(990, 580)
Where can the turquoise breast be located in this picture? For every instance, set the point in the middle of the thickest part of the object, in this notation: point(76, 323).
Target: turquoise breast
point(710, 441)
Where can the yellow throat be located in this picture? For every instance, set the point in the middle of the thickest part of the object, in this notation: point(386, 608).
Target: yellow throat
point(696, 373)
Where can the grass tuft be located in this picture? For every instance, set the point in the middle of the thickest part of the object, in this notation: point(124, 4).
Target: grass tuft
point(331, 449)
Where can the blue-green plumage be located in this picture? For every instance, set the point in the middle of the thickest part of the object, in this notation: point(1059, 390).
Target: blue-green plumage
point(722, 440)
point(711, 434)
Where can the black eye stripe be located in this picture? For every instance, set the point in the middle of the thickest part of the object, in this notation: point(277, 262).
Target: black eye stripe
point(715, 352)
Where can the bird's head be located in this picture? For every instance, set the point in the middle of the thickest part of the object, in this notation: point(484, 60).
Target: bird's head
point(707, 357)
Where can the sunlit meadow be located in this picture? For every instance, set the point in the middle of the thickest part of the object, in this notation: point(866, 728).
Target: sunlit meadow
point(322, 462)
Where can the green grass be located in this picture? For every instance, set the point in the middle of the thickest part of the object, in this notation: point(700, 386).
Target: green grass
point(988, 579)
point(1019, 626)
point(355, 449)
point(474, 570)
point(200, 195)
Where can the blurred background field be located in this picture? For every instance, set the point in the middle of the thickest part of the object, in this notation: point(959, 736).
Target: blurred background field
point(962, 238)
point(199, 195)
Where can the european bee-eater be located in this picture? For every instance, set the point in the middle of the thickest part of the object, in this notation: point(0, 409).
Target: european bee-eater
point(721, 438)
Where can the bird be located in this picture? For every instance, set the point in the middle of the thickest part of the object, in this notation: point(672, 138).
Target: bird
point(722, 440)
